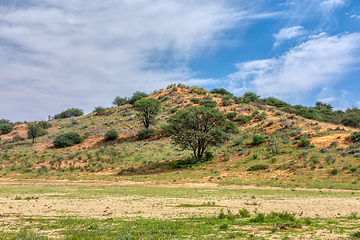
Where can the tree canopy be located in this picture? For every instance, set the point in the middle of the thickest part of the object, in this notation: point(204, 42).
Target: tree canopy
point(148, 109)
point(198, 128)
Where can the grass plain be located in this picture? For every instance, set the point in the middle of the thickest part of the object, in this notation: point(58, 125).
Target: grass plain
point(41, 209)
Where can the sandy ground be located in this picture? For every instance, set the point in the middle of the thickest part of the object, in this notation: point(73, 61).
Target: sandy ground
point(132, 206)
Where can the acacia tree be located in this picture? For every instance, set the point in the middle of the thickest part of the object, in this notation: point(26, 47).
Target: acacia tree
point(35, 130)
point(198, 128)
point(148, 109)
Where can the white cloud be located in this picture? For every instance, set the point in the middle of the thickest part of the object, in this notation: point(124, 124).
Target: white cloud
point(288, 33)
point(312, 65)
point(60, 54)
point(330, 4)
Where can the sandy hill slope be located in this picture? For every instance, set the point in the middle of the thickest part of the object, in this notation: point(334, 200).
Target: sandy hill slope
point(297, 152)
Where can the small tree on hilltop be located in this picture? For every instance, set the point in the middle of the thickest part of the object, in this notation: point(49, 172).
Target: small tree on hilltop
point(198, 128)
point(137, 96)
point(119, 101)
point(35, 130)
point(148, 109)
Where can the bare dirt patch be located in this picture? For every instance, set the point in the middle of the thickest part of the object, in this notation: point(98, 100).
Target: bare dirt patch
point(57, 204)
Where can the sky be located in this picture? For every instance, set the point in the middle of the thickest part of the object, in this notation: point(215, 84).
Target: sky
point(57, 54)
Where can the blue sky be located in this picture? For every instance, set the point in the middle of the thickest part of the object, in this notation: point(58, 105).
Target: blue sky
point(61, 54)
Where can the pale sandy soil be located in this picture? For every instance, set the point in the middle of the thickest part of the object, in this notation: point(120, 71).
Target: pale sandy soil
point(131, 206)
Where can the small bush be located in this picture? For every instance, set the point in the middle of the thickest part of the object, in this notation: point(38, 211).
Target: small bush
point(231, 115)
point(244, 213)
point(243, 119)
point(67, 140)
point(355, 235)
point(71, 112)
point(99, 110)
point(119, 101)
point(44, 124)
point(6, 128)
point(221, 91)
point(334, 171)
point(258, 167)
point(303, 143)
point(258, 139)
point(209, 103)
point(323, 150)
point(196, 100)
point(355, 136)
point(146, 133)
point(137, 96)
point(112, 134)
point(174, 110)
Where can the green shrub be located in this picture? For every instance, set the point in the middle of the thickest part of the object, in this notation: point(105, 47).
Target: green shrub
point(99, 110)
point(221, 91)
point(252, 97)
point(261, 116)
point(209, 103)
point(303, 143)
point(44, 124)
point(119, 101)
point(231, 115)
point(5, 121)
point(137, 96)
point(355, 136)
point(244, 213)
point(174, 110)
point(243, 119)
point(6, 128)
point(258, 139)
point(112, 134)
point(67, 140)
point(355, 235)
point(146, 133)
point(275, 102)
point(71, 112)
point(196, 100)
point(334, 171)
point(258, 167)
point(227, 100)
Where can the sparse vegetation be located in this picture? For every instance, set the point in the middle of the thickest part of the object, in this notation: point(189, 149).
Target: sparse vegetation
point(112, 134)
point(67, 140)
point(198, 128)
point(71, 112)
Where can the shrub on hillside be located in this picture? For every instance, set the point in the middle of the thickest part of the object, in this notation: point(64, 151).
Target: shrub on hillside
point(6, 128)
point(146, 133)
point(112, 134)
point(99, 110)
point(221, 91)
point(258, 167)
point(355, 136)
point(196, 100)
point(243, 119)
point(44, 124)
point(209, 104)
point(119, 101)
point(231, 115)
point(303, 143)
point(227, 100)
point(258, 139)
point(137, 96)
point(71, 112)
point(67, 140)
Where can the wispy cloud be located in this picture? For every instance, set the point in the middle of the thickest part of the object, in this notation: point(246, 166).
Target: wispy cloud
point(288, 33)
point(330, 4)
point(313, 65)
point(59, 54)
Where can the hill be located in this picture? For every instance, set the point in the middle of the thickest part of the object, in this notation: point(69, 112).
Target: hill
point(293, 152)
